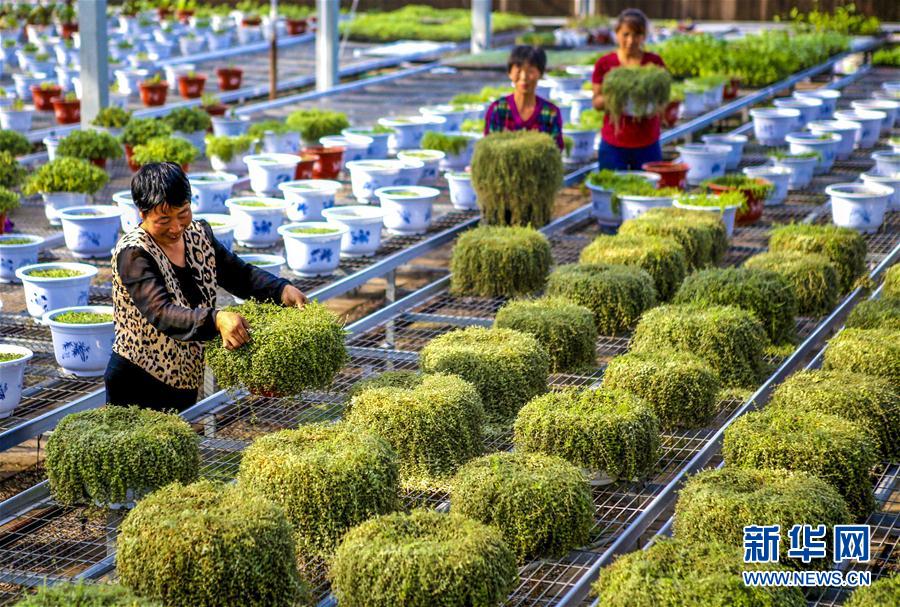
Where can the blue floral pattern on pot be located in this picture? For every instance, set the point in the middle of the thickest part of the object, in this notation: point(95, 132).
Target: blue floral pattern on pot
point(76, 349)
point(40, 299)
point(407, 218)
point(3, 388)
point(88, 239)
point(320, 255)
point(860, 217)
point(262, 226)
point(360, 236)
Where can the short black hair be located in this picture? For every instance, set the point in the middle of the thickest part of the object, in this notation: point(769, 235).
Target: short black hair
point(532, 55)
point(160, 183)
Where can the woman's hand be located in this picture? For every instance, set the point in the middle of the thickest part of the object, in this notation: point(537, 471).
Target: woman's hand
point(234, 329)
point(292, 296)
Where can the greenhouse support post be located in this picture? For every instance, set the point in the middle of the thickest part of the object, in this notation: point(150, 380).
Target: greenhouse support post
point(273, 49)
point(94, 59)
point(481, 25)
point(327, 44)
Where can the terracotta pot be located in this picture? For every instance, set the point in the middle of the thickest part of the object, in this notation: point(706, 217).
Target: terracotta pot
point(153, 94)
point(163, 13)
point(216, 110)
point(184, 15)
point(43, 97)
point(755, 205)
point(129, 158)
point(100, 162)
point(673, 173)
point(731, 89)
point(251, 21)
point(305, 167)
point(295, 27)
point(229, 78)
point(67, 29)
point(2, 223)
point(186, 168)
point(328, 161)
point(67, 112)
point(670, 114)
point(191, 87)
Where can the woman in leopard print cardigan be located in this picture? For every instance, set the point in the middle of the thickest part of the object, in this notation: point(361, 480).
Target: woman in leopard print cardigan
point(165, 274)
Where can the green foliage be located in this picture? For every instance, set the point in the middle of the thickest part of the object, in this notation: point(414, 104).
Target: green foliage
point(419, 22)
point(141, 130)
point(830, 447)
point(812, 276)
point(54, 273)
point(388, 379)
point(844, 20)
point(680, 387)
point(750, 186)
point(97, 456)
point(869, 351)
point(85, 595)
point(845, 247)
point(66, 174)
point(83, 318)
point(731, 340)
point(545, 39)
point(225, 147)
point(507, 367)
point(891, 286)
point(889, 57)
point(187, 120)
point(14, 142)
point(766, 294)
point(209, 544)
point(449, 144)
point(89, 145)
point(636, 91)
point(721, 201)
point(292, 349)
point(701, 235)
point(882, 313)
point(165, 149)
point(565, 329)
point(516, 175)
point(326, 477)
point(611, 432)
point(673, 573)
point(434, 426)
point(472, 126)
point(662, 258)
point(9, 201)
point(314, 123)
point(542, 504)
point(258, 129)
point(11, 172)
point(614, 182)
point(591, 119)
point(112, 117)
point(616, 294)
point(423, 559)
point(882, 593)
point(492, 261)
point(642, 187)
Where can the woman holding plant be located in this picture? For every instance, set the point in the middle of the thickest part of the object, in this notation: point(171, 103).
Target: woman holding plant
point(165, 275)
point(627, 142)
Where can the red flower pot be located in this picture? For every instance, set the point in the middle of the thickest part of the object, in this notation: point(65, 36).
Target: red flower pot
point(129, 158)
point(99, 162)
point(295, 27)
point(184, 15)
point(229, 78)
point(251, 21)
point(673, 173)
point(731, 89)
point(153, 94)
point(163, 13)
point(43, 97)
point(755, 205)
point(328, 161)
point(2, 223)
point(191, 87)
point(67, 29)
point(67, 112)
point(216, 110)
point(670, 114)
point(305, 167)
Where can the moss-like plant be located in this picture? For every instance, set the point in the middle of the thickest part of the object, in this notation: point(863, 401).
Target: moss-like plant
point(813, 277)
point(673, 573)
point(434, 427)
point(258, 129)
point(732, 341)
point(188, 120)
point(891, 282)
point(507, 367)
point(449, 144)
point(610, 432)
point(679, 386)
point(768, 295)
point(14, 142)
point(388, 379)
point(616, 294)
point(869, 401)
point(564, 328)
point(83, 318)
point(613, 181)
point(9, 201)
point(662, 258)
point(315, 123)
point(116, 454)
point(141, 130)
point(66, 175)
point(751, 186)
point(845, 247)
point(225, 148)
point(112, 117)
point(11, 172)
point(54, 273)
point(542, 504)
point(716, 505)
point(209, 544)
point(868, 351)
point(516, 175)
point(85, 595)
point(292, 349)
point(830, 447)
point(882, 593)
point(702, 235)
point(89, 145)
point(636, 91)
point(882, 313)
point(165, 149)
point(422, 559)
point(491, 261)
point(327, 477)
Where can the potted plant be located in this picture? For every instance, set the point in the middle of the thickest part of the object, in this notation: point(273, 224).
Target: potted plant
point(500, 261)
point(309, 197)
point(313, 124)
point(17, 250)
point(210, 191)
point(225, 153)
point(673, 107)
point(191, 44)
point(638, 196)
point(636, 91)
point(139, 131)
point(294, 18)
point(407, 209)
point(363, 224)
point(51, 286)
point(191, 85)
point(755, 190)
point(164, 9)
point(378, 148)
point(704, 160)
point(43, 93)
point(869, 120)
point(95, 146)
point(269, 170)
point(366, 176)
point(9, 201)
point(92, 231)
point(407, 132)
point(276, 137)
point(189, 123)
point(82, 338)
point(153, 91)
point(65, 182)
point(68, 21)
point(166, 149)
point(801, 164)
point(735, 142)
point(860, 206)
point(430, 159)
point(813, 277)
point(111, 120)
point(229, 78)
point(13, 360)
point(67, 109)
point(462, 193)
point(257, 220)
point(11, 172)
point(142, 61)
point(24, 81)
point(772, 124)
point(185, 9)
point(14, 142)
point(824, 144)
point(218, 38)
point(312, 248)
point(230, 124)
point(726, 204)
point(130, 216)
point(212, 105)
point(16, 116)
point(222, 227)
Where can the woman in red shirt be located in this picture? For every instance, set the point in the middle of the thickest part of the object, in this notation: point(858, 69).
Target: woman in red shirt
point(633, 141)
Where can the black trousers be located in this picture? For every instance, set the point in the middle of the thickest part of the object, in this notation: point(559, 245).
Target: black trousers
point(128, 384)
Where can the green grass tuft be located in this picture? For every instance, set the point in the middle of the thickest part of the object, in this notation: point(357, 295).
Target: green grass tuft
point(846, 248)
point(662, 258)
point(813, 277)
point(492, 261)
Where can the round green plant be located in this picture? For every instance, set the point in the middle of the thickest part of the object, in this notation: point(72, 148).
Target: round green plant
point(187, 120)
point(516, 175)
point(891, 282)
point(141, 130)
point(492, 261)
point(14, 142)
point(388, 379)
point(881, 593)
point(225, 148)
point(89, 145)
point(868, 351)
point(813, 277)
point(114, 455)
point(611, 433)
point(508, 367)
point(616, 294)
point(292, 349)
point(449, 144)
point(830, 447)
point(881, 313)
point(434, 426)
point(68, 594)
point(542, 504)
point(112, 117)
point(315, 123)
point(66, 175)
point(662, 258)
point(11, 172)
point(702, 235)
point(565, 329)
point(209, 544)
point(165, 149)
point(258, 129)
point(9, 201)
point(844, 247)
point(635, 91)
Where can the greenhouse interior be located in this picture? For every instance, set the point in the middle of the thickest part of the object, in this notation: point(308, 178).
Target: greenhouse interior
point(607, 295)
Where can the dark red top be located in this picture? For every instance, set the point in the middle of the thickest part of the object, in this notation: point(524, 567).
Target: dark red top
point(630, 132)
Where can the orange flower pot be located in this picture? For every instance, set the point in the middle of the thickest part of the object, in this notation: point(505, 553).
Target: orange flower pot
point(755, 205)
point(670, 114)
point(191, 87)
point(305, 167)
point(43, 97)
point(67, 112)
point(295, 27)
point(328, 161)
point(153, 94)
point(229, 78)
point(673, 173)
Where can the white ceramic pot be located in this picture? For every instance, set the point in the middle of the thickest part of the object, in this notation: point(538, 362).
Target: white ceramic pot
point(43, 294)
point(734, 142)
point(248, 34)
point(604, 207)
point(82, 350)
point(313, 253)
point(726, 214)
point(161, 50)
point(462, 193)
point(411, 172)
point(230, 127)
point(770, 125)
point(870, 122)
point(582, 144)
point(54, 202)
point(209, 191)
point(892, 86)
point(269, 170)
point(64, 77)
point(580, 101)
point(848, 132)
point(257, 219)
point(563, 84)
point(234, 165)
point(281, 143)
point(858, 206)
point(355, 148)
point(269, 263)
point(24, 82)
point(712, 98)
point(407, 133)
point(453, 116)
point(191, 46)
point(15, 256)
point(378, 148)
point(824, 145)
point(890, 181)
point(693, 104)
point(51, 144)
point(810, 108)
point(431, 160)
point(565, 112)
point(308, 198)
point(128, 80)
point(222, 227)
point(802, 170)
point(363, 223)
point(130, 216)
point(12, 378)
point(91, 232)
point(407, 209)
point(459, 161)
point(174, 71)
point(778, 176)
point(366, 176)
point(218, 40)
point(705, 161)
point(16, 120)
point(889, 107)
point(635, 206)
point(829, 98)
point(196, 139)
point(886, 163)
